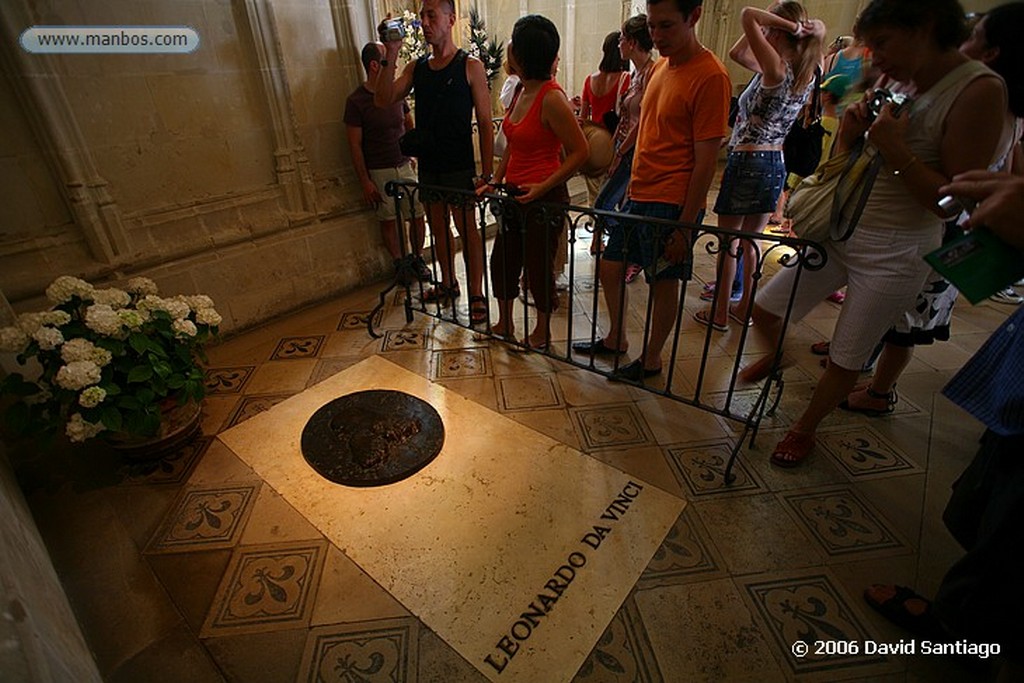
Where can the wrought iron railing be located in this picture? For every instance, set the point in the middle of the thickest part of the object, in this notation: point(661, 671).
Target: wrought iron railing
point(747, 405)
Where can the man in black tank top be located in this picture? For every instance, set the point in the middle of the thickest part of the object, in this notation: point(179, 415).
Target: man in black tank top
point(449, 87)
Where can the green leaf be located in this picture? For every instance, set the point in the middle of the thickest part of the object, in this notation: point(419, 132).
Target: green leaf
point(145, 395)
point(139, 342)
point(111, 388)
point(140, 373)
point(176, 381)
point(129, 403)
point(111, 418)
point(162, 369)
point(151, 424)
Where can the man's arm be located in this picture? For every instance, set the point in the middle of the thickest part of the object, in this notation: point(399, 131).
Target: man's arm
point(705, 161)
point(390, 90)
point(355, 143)
point(477, 78)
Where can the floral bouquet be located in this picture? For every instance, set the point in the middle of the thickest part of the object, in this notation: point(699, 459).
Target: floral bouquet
point(111, 359)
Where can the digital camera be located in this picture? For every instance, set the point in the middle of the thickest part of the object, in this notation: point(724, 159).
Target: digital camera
point(880, 97)
point(392, 30)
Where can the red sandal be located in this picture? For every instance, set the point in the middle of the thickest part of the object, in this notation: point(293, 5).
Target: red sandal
point(793, 449)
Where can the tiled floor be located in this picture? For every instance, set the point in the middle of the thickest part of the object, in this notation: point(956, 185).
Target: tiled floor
point(194, 569)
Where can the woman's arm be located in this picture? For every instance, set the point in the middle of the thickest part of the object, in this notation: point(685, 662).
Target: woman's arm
point(767, 61)
point(971, 134)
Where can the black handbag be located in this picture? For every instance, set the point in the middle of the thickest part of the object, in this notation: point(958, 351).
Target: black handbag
point(802, 146)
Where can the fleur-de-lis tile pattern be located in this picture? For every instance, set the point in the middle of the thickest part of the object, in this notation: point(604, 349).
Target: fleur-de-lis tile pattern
point(623, 653)
point(863, 452)
point(810, 609)
point(356, 320)
point(227, 380)
point(681, 555)
point(205, 519)
point(402, 340)
point(267, 588)
point(170, 469)
point(290, 348)
point(378, 652)
point(611, 426)
point(702, 470)
point(461, 363)
point(843, 523)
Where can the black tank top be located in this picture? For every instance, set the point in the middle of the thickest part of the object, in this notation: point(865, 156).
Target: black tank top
point(444, 108)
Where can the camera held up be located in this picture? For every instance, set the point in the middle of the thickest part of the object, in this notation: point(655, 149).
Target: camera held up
point(391, 30)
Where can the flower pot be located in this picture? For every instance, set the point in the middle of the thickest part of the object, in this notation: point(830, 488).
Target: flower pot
point(179, 424)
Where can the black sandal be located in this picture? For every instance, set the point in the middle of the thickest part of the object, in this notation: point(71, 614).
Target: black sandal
point(439, 294)
point(478, 309)
point(890, 403)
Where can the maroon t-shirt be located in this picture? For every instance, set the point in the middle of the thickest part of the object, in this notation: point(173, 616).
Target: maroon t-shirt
point(382, 127)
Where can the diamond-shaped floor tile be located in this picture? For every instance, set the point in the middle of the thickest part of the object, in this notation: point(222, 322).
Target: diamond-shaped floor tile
point(383, 650)
point(862, 452)
point(267, 588)
point(701, 468)
point(298, 347)
point(227, 380)
point(205, 518)
point(611, 426)
point(843, 523)
point(623, 653)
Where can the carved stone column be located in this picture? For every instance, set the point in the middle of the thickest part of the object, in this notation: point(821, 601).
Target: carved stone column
point(291, 164)
point(37, 83)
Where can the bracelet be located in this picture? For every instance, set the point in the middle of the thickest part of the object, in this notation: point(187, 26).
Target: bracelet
point(903, 169)
point(486, 177)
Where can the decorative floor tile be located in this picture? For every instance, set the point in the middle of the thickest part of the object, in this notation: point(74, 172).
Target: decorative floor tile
point(356, 320)
point(267, 588)
point(298, 347)
point(808, 609)
point(170, 469)
point(327, 367)
point(461, 363)
point(684, 554)
point(742, 404)
point(623, 653)
point(702, 469)
point(383, 651)
point(402, 340)
point(534, 392)
point(843, 523)
point(205, 518)
point(253, 405)
point(862, 452)
point(611, 426)
point(227, 380)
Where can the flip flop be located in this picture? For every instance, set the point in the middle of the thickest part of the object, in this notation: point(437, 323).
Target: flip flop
point(478, 309)
point(894, 608)
point(741, 321)
point(703, 318)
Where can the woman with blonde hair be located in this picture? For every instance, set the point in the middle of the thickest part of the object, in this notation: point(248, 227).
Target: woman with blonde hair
point(784, 49)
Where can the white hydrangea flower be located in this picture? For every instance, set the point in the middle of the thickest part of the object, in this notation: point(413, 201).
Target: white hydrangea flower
point(78, 429)
point(131, 318)
point(151, 302)
point(184, 328)
point(78, 375)
point(92, 397)
point(115, 298)
point(56, 318)
point(65, 287)
point(48, 338)
point(208, 316)
point(83, 349)
point(30, 322)
point(141, 286)
point(198, 302)
point(13, 339)
point(178, 309)
point(103, 319)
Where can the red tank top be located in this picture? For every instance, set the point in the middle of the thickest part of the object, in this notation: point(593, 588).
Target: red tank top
point(535, 152)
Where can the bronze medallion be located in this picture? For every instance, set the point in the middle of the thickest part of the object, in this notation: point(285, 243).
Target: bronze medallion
point(372, 438)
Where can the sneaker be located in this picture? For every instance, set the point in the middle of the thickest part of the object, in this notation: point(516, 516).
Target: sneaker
point(1007, 296)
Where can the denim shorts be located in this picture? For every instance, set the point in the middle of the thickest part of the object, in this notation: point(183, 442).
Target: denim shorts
point(643, 243)
point(751, 183)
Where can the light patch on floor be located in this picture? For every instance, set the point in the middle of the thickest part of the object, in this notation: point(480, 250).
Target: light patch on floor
point(513, 547)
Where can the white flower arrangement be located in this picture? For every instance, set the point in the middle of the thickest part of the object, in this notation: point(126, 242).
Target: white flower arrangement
point(111, 358)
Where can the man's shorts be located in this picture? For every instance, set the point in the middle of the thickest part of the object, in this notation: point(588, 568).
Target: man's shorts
point(644, 243)
point(456, 180)
point(401, 174)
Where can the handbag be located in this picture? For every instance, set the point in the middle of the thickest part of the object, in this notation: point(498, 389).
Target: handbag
point(801, 149)
point(828, 203)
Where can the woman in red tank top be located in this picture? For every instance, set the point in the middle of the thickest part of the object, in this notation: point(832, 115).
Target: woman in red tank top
point(538, 125)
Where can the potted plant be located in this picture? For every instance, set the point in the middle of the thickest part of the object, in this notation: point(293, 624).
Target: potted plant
point(122, 362)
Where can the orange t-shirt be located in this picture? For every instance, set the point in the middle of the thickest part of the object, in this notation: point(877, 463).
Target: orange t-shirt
point(682, 105)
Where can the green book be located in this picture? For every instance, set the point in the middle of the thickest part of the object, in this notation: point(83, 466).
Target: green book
point(978, 263)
